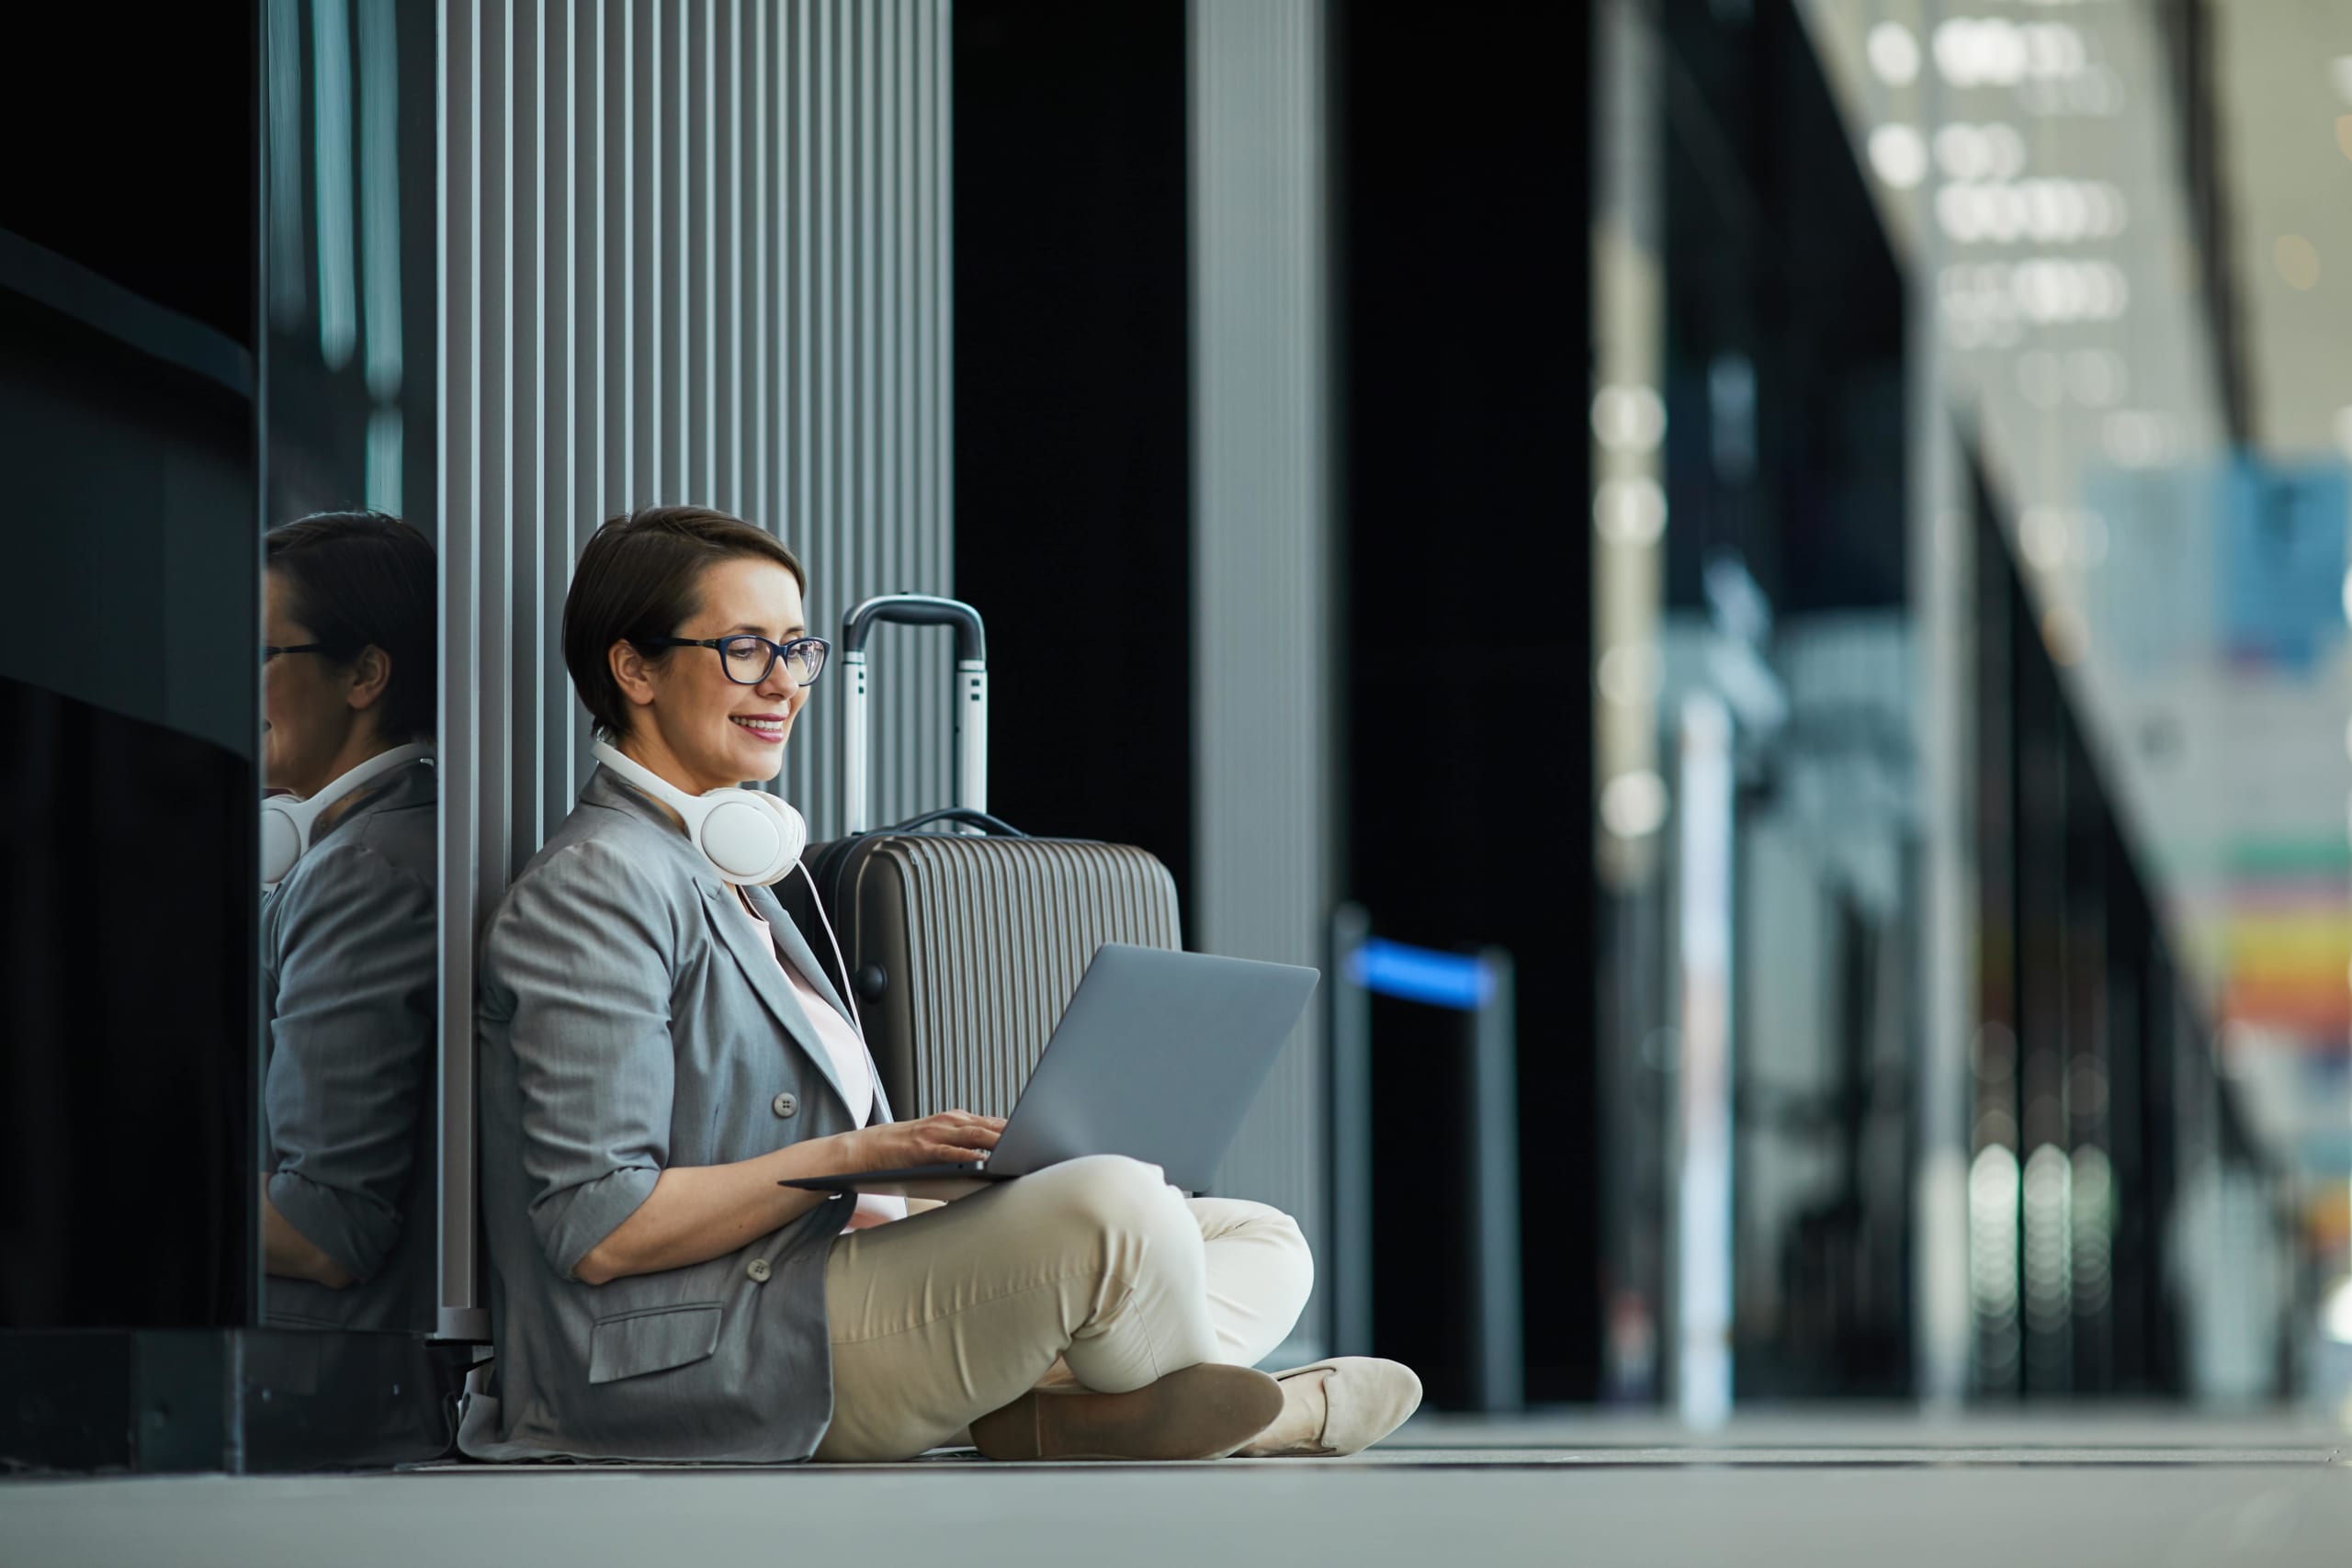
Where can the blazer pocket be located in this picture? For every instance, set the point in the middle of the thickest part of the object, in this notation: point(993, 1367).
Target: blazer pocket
point(655, 1339)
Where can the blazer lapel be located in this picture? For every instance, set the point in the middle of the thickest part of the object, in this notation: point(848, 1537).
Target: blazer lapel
point(803, 959)
point(741, 938)
point(796, 946)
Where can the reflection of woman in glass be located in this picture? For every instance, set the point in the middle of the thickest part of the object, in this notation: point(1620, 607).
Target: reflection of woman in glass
point(660, 1047)
point(349, 930)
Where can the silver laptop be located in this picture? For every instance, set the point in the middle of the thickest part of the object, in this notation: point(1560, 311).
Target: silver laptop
point(1157, 1057)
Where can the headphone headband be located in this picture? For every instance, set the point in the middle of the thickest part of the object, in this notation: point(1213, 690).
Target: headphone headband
point(287, 822)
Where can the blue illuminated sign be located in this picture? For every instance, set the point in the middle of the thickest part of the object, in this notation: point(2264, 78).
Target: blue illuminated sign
point(1421, 975)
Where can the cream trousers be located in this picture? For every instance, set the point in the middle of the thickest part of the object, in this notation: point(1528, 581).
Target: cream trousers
point(938, 1319)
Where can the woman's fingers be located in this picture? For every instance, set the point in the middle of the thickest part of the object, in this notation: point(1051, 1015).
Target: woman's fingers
point(958, 1125)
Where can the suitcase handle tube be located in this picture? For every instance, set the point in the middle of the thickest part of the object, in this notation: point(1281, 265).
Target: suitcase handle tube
point(969, 699)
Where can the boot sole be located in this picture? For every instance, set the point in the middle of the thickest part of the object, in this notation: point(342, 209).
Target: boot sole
point(1204, 1412)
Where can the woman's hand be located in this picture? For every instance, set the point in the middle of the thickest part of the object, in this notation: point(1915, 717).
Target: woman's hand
point(698, 1213)
point(952, 1137)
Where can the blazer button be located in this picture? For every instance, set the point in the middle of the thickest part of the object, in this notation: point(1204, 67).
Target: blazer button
point(787, 1105)
point(759, 1270)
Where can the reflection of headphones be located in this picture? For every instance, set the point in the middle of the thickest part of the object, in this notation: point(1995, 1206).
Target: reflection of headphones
point(287, 821)
point(749, 836)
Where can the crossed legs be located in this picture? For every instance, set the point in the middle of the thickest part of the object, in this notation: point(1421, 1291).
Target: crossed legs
point(940, 1319)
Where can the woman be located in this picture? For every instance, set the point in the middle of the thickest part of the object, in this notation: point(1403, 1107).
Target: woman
point(348, 925)
point(660, 1048)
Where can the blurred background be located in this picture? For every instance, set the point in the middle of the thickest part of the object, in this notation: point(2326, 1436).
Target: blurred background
point(1762, 583)
point(1833, 528)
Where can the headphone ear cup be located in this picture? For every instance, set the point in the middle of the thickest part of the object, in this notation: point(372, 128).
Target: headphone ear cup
point(795, 829)
point(751, 836)
point(281, 842)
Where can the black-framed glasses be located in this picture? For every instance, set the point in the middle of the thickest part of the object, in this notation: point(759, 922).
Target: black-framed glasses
point(270, 651)
point(747, 656)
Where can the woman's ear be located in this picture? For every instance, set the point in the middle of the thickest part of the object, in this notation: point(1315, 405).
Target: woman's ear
point(371, 672)
point(630, 673)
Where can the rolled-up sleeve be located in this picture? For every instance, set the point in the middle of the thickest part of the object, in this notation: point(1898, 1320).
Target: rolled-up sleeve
point(351, 1050)
point(577, 985)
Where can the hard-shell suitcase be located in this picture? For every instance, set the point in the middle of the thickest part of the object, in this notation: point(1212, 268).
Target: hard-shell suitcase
point(965, 938)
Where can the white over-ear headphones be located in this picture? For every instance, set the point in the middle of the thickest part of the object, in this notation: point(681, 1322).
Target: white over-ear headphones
point(749, 836)
point(287, 821)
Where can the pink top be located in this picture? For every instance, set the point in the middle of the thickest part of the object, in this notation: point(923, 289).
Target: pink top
point(851, 1066)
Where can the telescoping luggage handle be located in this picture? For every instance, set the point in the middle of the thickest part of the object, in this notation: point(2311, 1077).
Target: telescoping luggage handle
point(970, 704)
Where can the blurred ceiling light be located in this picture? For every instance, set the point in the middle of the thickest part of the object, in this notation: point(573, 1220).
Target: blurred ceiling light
point(2337, 1316)
point(2054, 209)
point(1893, 54)
point(1979, 304)
point(2051, 288)
point(2048, 211)
point(1628, 418)
point(2344, 431)
point(2053, 49)
point(1629, 512)
point(1992, 52)
point(1631, 674)
point(2340, 71)
point(2042, 535)
point(2297, 260)
point(1960, 152)
point(1971, 52)
point(1898, 156)
point(1992, 1230)
point(1958, 214)
point(1633, 806)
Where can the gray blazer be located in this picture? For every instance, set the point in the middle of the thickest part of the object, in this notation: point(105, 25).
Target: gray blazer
point(631, 1019)
point(349, 943)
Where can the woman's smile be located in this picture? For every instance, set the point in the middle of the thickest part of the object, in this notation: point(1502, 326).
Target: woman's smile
point(768, 728)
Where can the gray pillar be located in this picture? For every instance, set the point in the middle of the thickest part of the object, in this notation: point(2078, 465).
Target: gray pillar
point(1263, 702)
point(690, 252)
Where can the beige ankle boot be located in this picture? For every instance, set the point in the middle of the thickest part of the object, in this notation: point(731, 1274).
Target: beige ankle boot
point(1334, 1407)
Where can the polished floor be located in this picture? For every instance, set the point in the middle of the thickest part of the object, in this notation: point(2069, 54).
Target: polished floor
point(2150, 1489)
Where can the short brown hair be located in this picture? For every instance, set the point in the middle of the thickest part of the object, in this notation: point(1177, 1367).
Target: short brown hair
point(362, 579)
point(640, 577)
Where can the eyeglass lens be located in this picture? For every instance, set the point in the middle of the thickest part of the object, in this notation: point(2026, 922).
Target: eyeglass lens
point(750, 658)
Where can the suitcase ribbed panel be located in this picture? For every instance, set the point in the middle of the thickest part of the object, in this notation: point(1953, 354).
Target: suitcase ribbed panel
point(998, 934)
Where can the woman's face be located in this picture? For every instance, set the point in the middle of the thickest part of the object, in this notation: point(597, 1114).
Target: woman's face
point(308, 719)
point(710, 732)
